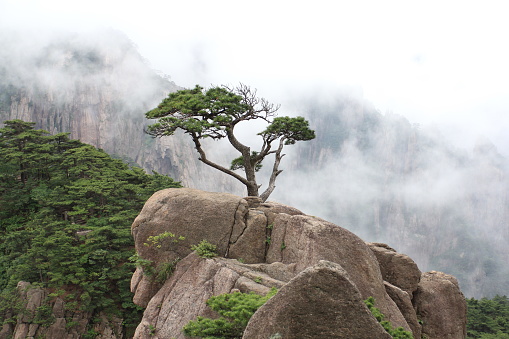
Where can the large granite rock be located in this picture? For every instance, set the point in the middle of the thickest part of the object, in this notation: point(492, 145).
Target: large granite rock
point(305, 240)
point(404, 303)
point(323, 271)
point(397, 268)
point(441, 306)
point(182, 298)
point(320, 302)
point(193, 214)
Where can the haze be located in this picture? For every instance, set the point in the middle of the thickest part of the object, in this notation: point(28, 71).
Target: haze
point(432, 62)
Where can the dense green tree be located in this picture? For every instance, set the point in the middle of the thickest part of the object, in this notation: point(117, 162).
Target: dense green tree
point(488, 318)
point(65, 215)
point(215, 113)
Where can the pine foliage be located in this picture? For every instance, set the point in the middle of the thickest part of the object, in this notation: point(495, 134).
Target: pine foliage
point(235, 310)
point(65, 214)
point(488, 318)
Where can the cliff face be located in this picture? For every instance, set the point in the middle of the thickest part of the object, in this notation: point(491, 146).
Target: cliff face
point(96, 87)
point(55, 319)
point(323, 272)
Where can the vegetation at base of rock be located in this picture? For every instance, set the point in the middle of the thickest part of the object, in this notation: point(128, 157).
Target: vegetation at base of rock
point(65, 215)
point(205, 249)
point(396, 333)
point(488, 318)
point(235, 309)
point(214, 113)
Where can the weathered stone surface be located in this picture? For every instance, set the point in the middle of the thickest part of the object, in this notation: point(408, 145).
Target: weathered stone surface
point(6, 331)
point(441, 306)
point(109, 327)
point(195, 214)
point(58, 308)
point(280, 247)
point(185, 211)
point(273, 209)
point(404, 303)
point(33, 296)
point(143, 286)
point(250, 244)
point(57, 329)
point(305, 240)
point(21, 331)
point(398, 269)
point(61, 319)
point(320, 302)
point(182, 298)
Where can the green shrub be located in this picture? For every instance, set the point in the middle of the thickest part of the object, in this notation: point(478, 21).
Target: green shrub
point(65, 219)
point(235, 309)
point(165, 270)
point(488, 318)
point(156, 240)
point(44, 316)
point(396, 333)
point(205, 249)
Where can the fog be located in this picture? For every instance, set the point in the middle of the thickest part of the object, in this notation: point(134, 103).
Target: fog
point(409, 101)
point(433, 62)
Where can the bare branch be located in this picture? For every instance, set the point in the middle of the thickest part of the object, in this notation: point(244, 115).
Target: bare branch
point(203, 158)
point(275, 171)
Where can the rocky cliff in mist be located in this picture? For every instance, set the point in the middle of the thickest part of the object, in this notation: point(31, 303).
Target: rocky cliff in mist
point(405, 185)
point(377, 175)
point(96, 87)
point(323, 272)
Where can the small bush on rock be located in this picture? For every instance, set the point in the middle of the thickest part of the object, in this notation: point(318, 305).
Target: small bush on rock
point(205, 249)
point(235, 309)
point(397, 333)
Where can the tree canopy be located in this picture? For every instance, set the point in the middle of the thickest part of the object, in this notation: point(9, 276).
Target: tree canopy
point(65, 214)
point(488, 318)
point(214, 113)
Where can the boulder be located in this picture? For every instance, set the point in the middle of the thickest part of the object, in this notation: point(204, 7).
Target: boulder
point(193, 214)
point(320, 302)
point(249, 245)
point(323, 271)
point(441, 306)
point(305, 240)
point(227, 221)
point(187, 212)
point(182, 298)
point(404, 303)
point(398, 269)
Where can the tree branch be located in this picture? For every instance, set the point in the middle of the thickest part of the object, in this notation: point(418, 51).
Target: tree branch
point(203, 158)
point(275, 171)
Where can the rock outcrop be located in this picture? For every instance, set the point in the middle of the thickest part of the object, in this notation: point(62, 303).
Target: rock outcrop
point(97, 87)
point(323, 272)
point(397, 269)
point(320, 302)
point(441, 306)
point(46, 316)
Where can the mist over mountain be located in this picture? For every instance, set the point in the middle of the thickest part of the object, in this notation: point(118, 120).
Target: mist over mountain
point(97, 87)
point(395, 182)
point(377, 175)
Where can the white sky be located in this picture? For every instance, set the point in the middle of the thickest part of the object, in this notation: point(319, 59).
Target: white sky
point(442, 62)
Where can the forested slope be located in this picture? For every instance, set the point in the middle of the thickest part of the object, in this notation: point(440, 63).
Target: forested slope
point(65, 214)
